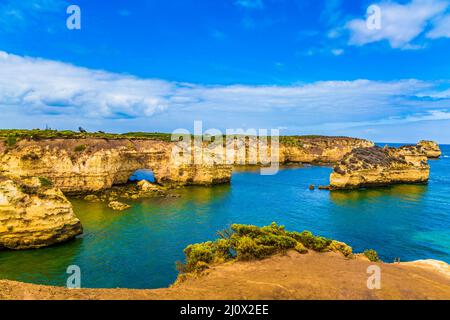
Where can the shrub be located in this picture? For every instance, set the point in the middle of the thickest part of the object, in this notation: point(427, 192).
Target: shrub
point(248, 242)
point(80, 148)
point(11, 140)
point(200, 255)
point(341, 247)
point(248, 249)
point(372, 255)
point(300, 248)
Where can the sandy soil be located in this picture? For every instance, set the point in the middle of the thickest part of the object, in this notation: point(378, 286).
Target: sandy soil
point(291, 276)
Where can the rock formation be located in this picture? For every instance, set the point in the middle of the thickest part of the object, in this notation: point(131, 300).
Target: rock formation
point(375, 166)
point(33, 214)
point(118, 206)
point(318, 149)
point(93, 164)
point(85, 165)
point(430, 148)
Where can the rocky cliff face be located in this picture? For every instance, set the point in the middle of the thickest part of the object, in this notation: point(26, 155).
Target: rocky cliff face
point(430, 148)
point(92, 164)
point(375, 166)
point(84, 165)
point(319, 149)
point(33, 215)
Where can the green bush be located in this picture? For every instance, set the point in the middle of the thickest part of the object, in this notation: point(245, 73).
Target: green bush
point(11, 140)
point(80, 148)
point(247, 242)
point(200, 255)
point(372, 255)
point(300, 248)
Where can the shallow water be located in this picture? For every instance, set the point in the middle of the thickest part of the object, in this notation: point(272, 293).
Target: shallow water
point(138, 248)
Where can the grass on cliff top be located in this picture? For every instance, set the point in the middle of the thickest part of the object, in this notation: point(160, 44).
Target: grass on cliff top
point(12, 136)
point(248, 242)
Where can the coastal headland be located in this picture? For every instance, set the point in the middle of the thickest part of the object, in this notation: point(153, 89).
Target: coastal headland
point(39, 168)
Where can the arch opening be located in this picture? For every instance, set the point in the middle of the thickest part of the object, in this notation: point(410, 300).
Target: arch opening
point(142, 174)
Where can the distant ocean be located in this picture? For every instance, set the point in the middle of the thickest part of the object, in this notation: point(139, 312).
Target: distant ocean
point(138, 248)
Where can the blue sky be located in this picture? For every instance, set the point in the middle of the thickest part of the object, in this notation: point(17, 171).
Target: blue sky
point(306, 67)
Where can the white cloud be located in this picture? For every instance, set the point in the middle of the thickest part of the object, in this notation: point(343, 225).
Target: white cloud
point(35, 91)
point(401, 24)
point(441, 28)
point(42, 86)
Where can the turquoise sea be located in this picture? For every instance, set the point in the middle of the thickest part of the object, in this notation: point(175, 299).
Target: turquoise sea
point(138, 248)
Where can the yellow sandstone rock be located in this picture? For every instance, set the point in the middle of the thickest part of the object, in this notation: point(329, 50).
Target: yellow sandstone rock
point(118, 206)
point(379, 167)
point(33, 215)
point(430, 148)
point(93, 164)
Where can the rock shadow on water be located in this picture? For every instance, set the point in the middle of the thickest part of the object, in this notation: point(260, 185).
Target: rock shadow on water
point(409, 192)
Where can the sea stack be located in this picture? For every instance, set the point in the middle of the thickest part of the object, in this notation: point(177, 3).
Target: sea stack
point(430, 148)
point(34, 214)
point(375, 166)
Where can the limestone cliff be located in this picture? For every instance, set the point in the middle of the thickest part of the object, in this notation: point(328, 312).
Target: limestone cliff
point(84, 165)
point(375, 166)
point(430, 148)
point(318, 149)
point(92, 164)
point(34, 214)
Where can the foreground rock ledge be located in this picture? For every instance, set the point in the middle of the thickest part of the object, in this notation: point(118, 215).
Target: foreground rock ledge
point(292, 276)
point(366, 167)
point(33, 215)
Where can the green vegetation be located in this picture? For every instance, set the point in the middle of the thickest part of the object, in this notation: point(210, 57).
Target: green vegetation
point(80, 148)
point(11, 140)
point(247, 242)
point(12, 136)
point(372, 255)
point(45, 182)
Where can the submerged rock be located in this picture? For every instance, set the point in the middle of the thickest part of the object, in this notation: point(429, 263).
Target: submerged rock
point(430, 148)
point(33, 214)
point(119, 206)
point(92, 198)
point(366, 167)
point(146, 186)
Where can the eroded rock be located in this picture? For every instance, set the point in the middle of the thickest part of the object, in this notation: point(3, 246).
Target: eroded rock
point(366, 167)
point(431, 149)
point(34, 214)
point(118, 206)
